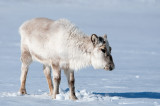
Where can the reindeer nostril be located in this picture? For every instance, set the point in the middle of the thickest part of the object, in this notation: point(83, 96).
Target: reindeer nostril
point(110, 68)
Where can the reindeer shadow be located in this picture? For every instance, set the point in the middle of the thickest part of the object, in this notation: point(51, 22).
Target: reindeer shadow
point(149, 95)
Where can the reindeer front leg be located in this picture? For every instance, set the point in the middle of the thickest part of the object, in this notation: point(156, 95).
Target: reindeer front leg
point(71, 81)
point(56, 79)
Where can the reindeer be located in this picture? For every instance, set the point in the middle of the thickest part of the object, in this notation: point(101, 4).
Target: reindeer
point(60, 45)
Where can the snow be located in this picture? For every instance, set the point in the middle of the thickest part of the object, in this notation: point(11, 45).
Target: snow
point(133, 32)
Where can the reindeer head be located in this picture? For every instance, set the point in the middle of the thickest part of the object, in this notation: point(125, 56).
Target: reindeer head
point(101, 57)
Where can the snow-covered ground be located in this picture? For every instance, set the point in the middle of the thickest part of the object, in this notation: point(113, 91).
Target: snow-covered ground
point(133, 28)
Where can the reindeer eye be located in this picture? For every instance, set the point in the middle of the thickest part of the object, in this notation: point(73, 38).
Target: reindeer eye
point(103, 50)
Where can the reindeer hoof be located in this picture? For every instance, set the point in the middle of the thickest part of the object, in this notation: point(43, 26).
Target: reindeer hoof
point(74, 98)
point(54, 97)
point(23, 91)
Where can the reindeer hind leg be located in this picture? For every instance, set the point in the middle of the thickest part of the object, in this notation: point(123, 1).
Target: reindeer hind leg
point(26, 61)
point(47, 73)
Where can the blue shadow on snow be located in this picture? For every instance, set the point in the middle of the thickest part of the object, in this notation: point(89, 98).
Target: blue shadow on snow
point(150, 95)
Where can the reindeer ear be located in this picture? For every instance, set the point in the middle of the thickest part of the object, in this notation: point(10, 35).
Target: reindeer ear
point(105, 37)
point(94, 39)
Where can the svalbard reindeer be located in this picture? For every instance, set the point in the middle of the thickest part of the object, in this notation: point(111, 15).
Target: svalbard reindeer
point(60, 45)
